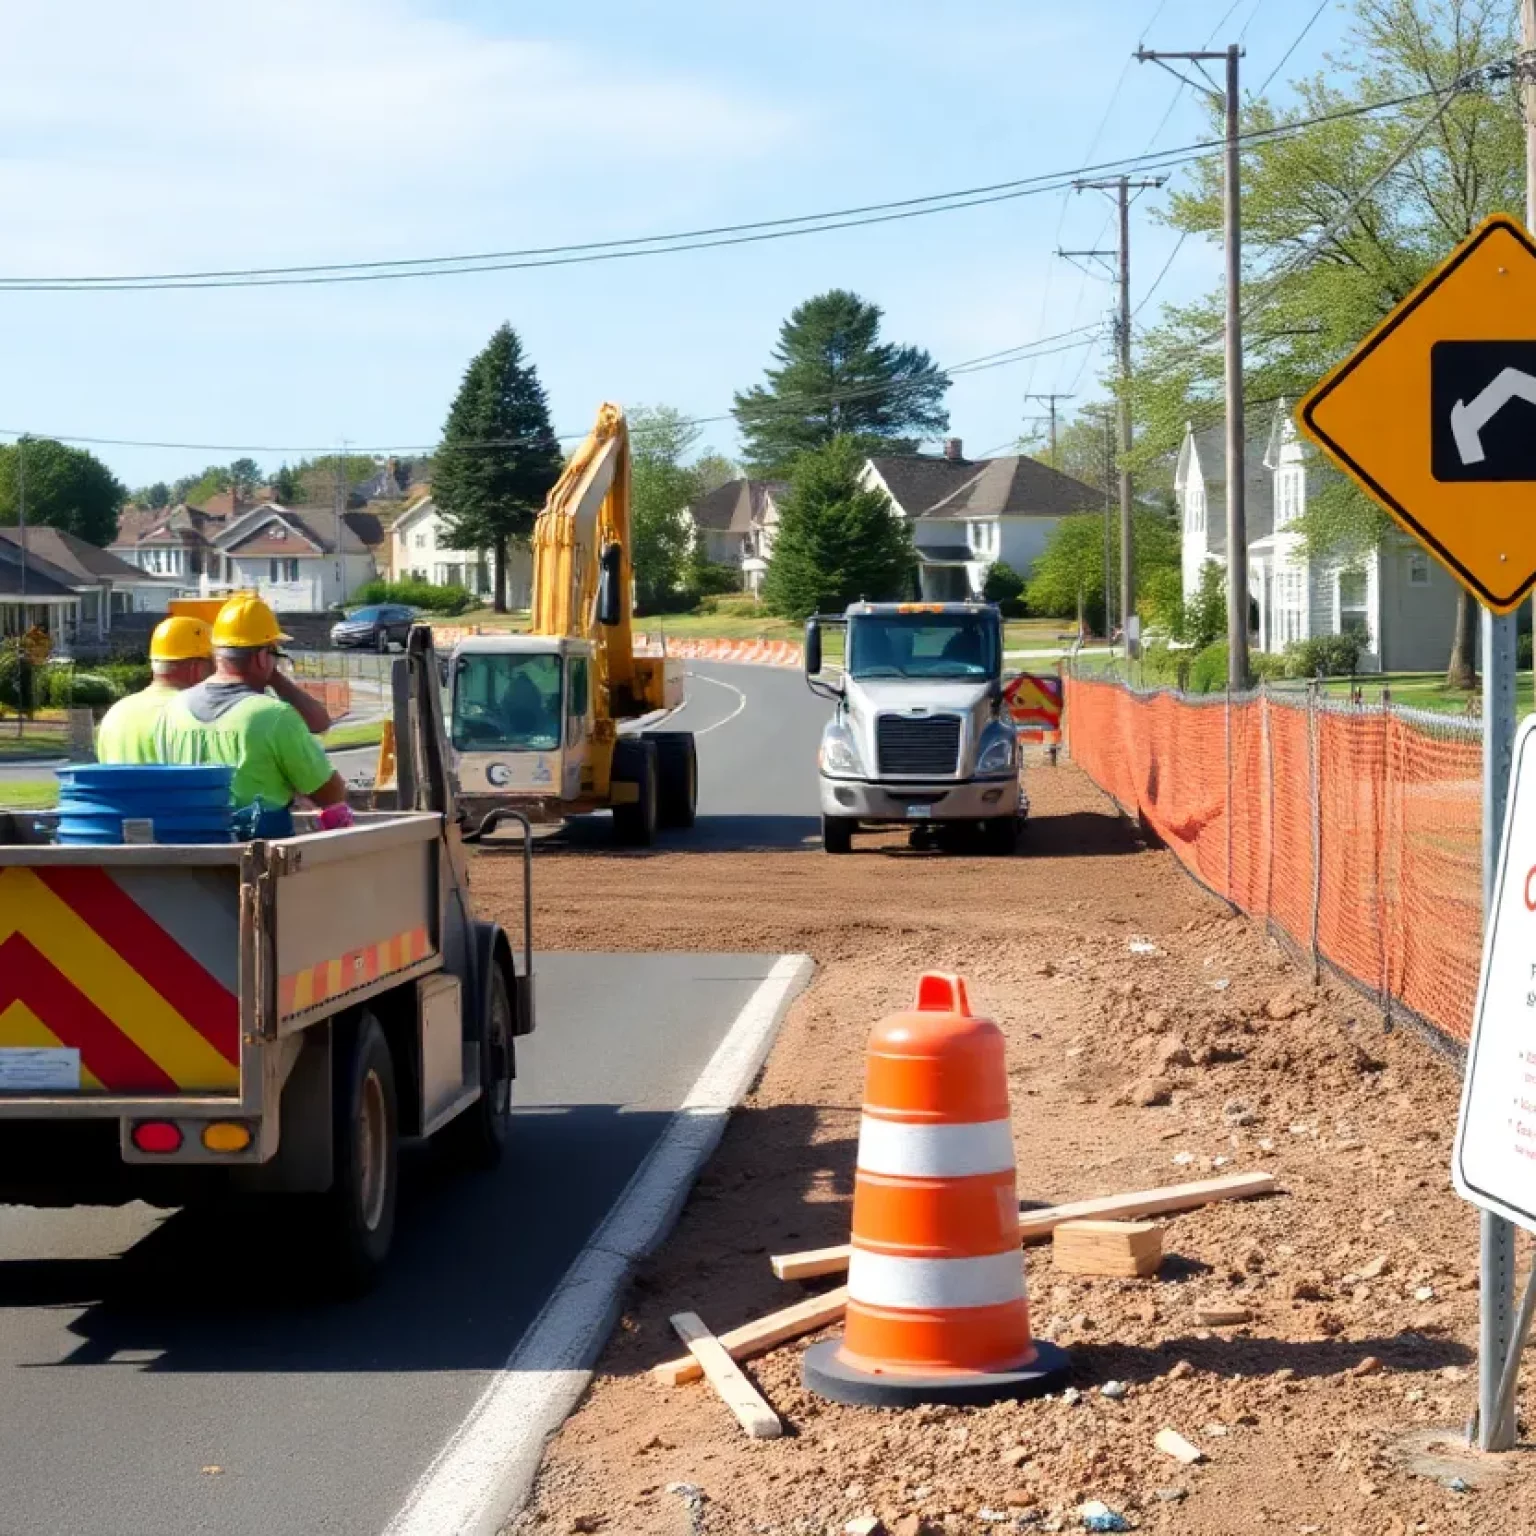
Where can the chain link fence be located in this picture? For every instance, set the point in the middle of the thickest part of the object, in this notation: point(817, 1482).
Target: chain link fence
point(1354, 831)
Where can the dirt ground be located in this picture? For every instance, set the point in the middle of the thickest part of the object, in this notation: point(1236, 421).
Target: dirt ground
point(1321, 1414)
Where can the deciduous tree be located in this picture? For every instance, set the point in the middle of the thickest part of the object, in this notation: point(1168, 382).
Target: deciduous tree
point(67, 488)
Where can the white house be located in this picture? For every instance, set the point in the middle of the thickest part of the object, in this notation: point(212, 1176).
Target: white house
point(104, 585)
point(299, 560)
point(737, 524)
point(422, 549)
point(1399, 601)
point(968, 514)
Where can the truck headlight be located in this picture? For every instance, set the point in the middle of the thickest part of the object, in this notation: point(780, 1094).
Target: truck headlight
point(839, 755)
point(996, 756)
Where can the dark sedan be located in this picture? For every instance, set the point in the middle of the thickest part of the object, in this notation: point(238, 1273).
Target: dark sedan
point(377, 628)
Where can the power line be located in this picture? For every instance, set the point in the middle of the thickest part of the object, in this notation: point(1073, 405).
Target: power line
point(653, 245)
point(1300, 37)
point(783, 405)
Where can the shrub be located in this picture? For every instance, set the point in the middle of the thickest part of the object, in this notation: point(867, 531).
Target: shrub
point(1323, 656)
point(740, 605)
point(1523, 652)
point(709, 580)
point(68, 689)
point(1005, 587)
point(126, 676)
point(18, 689)
point(1203, 619)
point(1208, 669)
point(425, 595)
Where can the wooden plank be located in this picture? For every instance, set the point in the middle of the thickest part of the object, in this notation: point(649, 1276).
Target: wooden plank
point(761, 1335)
point(1037, 1224)
point(726, 1377)
point(1127, 1250)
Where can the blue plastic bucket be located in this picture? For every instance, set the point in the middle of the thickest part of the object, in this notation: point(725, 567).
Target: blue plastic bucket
point(166, 804)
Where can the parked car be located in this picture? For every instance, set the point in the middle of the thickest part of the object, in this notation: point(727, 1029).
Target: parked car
point(376, 627)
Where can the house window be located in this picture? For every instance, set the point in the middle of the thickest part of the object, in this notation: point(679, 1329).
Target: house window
point(283, 570)
point(1195, 515)
point(1288, 485)
point(421, 541)
point(1354, 614)
point(1418, 569)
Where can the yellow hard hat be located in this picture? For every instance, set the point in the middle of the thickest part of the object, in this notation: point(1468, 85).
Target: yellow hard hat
point(180, 638)
point(246, 622)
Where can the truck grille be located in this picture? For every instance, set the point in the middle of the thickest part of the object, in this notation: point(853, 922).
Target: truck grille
point(918, 745)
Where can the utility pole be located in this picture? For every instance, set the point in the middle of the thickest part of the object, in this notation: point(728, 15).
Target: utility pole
point(338, 506)
point(1500, 1337)
point(1230, 101)
point(1121, 188)
point(1050, 405)
point(21, 529)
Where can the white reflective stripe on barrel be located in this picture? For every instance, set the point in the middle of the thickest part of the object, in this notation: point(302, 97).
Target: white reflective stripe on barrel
point(879, 1280)
point(934, 1151)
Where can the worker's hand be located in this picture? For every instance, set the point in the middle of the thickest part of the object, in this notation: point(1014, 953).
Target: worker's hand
point(311, 710)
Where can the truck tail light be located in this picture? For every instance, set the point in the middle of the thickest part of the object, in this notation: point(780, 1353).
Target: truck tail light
point(157, 1136)
point(226, 1136)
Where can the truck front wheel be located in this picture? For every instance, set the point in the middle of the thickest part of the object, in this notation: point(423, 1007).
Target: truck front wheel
point(677, 790)
point(359, 1209)
point(837, 833)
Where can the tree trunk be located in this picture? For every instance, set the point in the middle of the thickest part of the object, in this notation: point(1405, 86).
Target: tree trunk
point(499, 601)
point(1462, 672)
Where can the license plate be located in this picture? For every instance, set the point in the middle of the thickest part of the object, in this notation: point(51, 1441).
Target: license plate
point(920, 812)
point(39, 1069)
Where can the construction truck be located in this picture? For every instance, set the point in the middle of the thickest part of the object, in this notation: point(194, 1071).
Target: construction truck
point(562, 720)
point(180, 1022)
point(921, 735)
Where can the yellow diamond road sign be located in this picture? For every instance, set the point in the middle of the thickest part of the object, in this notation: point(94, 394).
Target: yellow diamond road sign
point(1434, 414)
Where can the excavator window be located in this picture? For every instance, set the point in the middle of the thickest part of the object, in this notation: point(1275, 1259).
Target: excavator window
point(507, 702)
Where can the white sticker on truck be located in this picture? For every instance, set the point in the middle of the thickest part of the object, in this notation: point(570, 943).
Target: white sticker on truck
point(39, 1069)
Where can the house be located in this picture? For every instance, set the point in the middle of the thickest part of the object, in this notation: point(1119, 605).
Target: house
point(968, 514)
point(300, 560)
point(1399, 601)
point(175, 542)
point(422, 549)
point(736, 525)
point(105, 585)
point(34, 594)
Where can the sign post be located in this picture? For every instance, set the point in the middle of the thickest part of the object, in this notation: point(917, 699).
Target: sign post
point(1430, 417)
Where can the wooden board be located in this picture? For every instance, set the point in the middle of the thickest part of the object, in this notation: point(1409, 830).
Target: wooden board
point(761, 1335)
point(726, 1377)
point(1037, 1224)
point(1127, 1250)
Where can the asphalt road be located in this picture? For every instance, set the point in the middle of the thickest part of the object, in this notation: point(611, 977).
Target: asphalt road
point(169, 1373)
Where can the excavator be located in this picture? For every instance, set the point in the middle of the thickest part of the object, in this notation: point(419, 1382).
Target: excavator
point(561, 720)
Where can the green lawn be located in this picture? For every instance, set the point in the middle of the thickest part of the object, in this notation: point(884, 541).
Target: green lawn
point(363, 734)
point(37, 738)
point(28, 794)
point(1427, 690)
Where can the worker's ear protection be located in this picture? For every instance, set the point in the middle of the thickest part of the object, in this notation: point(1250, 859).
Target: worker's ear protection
point(610, 573)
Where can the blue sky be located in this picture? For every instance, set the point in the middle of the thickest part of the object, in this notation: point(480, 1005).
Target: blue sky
point(172, 135)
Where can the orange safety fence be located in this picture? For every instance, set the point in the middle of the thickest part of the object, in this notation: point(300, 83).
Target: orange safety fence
point(1356, 833)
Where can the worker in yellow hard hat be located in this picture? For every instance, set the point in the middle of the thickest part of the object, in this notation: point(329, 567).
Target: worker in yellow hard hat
point(253, 718)
point(180, 656)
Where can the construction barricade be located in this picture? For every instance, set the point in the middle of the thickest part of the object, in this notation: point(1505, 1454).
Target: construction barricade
point(1354, 831)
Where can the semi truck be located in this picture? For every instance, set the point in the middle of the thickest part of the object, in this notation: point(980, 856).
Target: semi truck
point(186, 1022)
point(920, 734)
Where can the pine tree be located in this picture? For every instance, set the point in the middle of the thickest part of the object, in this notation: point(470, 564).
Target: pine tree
point(499, 457)
point(838, 539)
point(835, 377)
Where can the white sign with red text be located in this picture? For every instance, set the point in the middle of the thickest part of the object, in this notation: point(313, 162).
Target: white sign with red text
point(1494, 1161)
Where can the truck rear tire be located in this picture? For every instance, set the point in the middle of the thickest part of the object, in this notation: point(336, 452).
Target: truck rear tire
point(634, 762)
point(358, 1212)
point(677, 794)
point(837, 833)
point(476, 1138)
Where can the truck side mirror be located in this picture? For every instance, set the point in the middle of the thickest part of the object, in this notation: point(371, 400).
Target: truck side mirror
point(610, 570)
point(812, 647)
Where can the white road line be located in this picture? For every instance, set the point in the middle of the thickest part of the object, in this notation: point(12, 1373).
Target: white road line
point(484, 1473)
point(730, 688)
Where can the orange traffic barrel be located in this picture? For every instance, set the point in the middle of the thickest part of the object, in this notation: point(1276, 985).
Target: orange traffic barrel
point(937, 1306)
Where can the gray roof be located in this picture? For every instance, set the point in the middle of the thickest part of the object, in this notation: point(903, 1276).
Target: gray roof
point(735, 507)
point(80, 559)
point(918, 481)
point(318, 526)
point(1018, 486)
point(1209, 446)
point(43, 579)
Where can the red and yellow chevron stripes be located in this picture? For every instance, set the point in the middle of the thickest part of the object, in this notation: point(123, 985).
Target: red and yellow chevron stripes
point(1034, 701)
point(83, 965)
point(330, 978)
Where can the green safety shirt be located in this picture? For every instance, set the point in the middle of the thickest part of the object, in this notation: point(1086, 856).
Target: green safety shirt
point(127, 730)
point(263, 739)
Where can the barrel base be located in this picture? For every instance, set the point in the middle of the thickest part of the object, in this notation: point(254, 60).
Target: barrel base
point(830, 1377)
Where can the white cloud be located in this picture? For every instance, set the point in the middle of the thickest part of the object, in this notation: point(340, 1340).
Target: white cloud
point(175, 131)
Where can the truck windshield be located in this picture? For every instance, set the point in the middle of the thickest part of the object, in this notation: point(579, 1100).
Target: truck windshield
point(958, 645)
point(505, 702)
